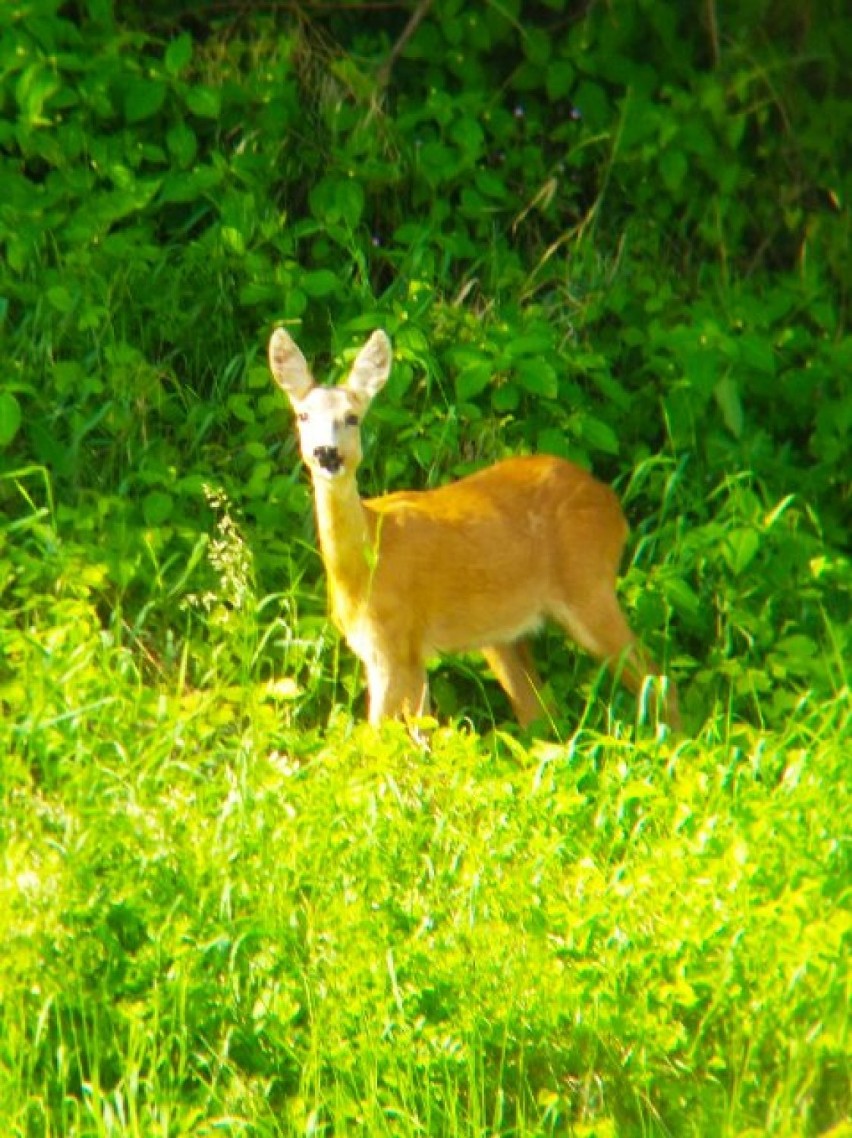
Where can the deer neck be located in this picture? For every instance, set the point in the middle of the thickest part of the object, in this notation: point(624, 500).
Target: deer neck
point(346, 543)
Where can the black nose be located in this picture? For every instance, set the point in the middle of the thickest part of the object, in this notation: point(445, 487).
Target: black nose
point(328, 458)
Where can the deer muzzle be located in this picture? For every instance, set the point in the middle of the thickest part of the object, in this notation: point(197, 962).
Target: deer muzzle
point(329, 458)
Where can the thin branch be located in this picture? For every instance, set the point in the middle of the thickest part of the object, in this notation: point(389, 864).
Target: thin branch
point(713, 30)
point(407, 32)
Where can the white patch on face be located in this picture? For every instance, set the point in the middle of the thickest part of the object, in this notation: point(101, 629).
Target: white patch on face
point(329, 422)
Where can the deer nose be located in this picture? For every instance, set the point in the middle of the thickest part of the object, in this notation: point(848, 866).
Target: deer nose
point(328, 458)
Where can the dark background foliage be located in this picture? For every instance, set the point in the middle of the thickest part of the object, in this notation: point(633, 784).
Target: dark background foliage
point(617, 232)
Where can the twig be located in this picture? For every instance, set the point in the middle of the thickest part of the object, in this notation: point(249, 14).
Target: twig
point(407, 32)
point(713, 30)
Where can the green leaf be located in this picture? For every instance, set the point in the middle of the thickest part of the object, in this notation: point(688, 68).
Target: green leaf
point(727, 395)
point(60, 298)
point(740, 548)
point(537, 377)
point(321, 282)
point(537, 46)
point(143, 98)
point(182, 144)
point(178, 54)
point(530, 344)
point(506, 398)
point(673, 168)
point(551, 440)
point(681, 597)
point(472, 380)
point(10, 417)
point(157, 507)
point(468, 136)
point(205, 102)
point(599, 435)
point(186, 187)
point(33, 89)
point(241, 407)
point(758, 353)
point(233, 239)
point(592, 104)
point(335, 200)
point(560, 79)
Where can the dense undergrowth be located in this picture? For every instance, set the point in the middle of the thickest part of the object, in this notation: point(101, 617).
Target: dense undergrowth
point(617, 233)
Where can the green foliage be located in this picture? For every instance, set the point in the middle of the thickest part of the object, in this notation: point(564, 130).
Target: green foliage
point(618, 233)
point(212, 922)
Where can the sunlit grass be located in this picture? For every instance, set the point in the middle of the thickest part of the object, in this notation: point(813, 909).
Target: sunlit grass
point(214, 921)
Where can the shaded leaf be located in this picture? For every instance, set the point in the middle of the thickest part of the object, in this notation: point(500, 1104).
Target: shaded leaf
point(143, 98)
point(10, 417)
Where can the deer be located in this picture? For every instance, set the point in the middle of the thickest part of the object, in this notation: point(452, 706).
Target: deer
point(478, 564)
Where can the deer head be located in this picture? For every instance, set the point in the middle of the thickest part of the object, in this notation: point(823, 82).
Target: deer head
point(329, 418)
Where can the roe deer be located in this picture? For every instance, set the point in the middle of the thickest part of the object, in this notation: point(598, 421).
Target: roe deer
point(478, 564)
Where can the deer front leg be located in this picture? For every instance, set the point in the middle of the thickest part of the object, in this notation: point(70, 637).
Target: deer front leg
point(396, 689)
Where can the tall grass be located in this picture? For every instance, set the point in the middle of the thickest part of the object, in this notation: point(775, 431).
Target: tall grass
point(216, 922)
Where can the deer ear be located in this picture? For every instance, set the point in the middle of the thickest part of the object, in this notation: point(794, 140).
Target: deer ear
point(288, 366)
point(371, 368)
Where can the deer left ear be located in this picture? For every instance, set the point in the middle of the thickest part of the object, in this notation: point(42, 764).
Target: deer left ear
point(372, 367)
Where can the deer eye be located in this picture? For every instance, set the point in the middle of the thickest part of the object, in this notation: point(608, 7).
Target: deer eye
point(352, 420)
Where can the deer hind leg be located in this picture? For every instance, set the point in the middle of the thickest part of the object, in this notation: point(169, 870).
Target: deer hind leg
point(598, 625)
point(515, 669)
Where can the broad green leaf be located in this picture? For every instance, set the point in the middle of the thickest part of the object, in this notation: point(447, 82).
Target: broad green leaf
point(740, 548)
point(178, 54)
point(553, 441)
point(60, 298)
point(34, 87)
point(532, 343)
point(472, 380)
point(681, 596)
point(143, 98)
point(205, 102)
point(598, 435)
point(258, 483)
point(490, 185)
point(182, 144)
point(727, 395)
point(259, 292)
point(537, 377)
point(701, 365)
point(241, 407)
point(293, 303)
point(320, 282)
point(758, 353)
point(157, 507)
point(335, 199)
point(468, 135)
point(592, 104)
point(673, 168)
point(233, 239)
point(10, 417)
point(560, 79)
point(505, 398)
point(537, 46)
point(186, 187)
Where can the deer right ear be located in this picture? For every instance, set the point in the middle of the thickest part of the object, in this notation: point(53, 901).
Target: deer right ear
point(288, 366)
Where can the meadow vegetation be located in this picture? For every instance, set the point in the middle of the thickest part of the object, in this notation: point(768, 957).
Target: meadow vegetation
point(617, 233)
